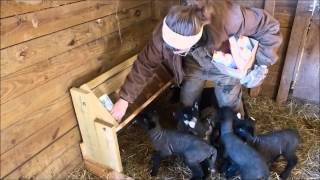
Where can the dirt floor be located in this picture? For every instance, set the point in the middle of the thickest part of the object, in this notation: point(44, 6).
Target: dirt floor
point(136, 149)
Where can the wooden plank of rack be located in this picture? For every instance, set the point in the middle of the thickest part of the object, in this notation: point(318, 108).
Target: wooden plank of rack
point(103, 171)
point(103, 77)
point(112, 84)
point(139, 109)
point(108, 144)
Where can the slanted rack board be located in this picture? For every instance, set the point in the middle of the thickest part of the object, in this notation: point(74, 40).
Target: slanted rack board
point(98, 128)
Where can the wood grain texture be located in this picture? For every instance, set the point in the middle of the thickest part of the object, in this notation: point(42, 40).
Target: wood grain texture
point(103, 77)
point(250, 3)
point(62, 165)
point(298, 35)
point(47, 156)
point(44, 48)
point(22, 129)
point(38, 126)
point(17, 7)
point(271, 83)
point(28, 26)
point(112, 84)
point(160, 9)
point(68, 171)
point(285, 12)
point(98, 55)
point(33, 76)
point(35, 143)
point(103, 171)
point(108, 145)
point(307, 86)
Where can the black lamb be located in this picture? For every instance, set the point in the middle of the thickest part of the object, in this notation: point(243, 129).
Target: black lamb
point(274, 144)
point(189, 121)
point(197, 154)
point(251, 164)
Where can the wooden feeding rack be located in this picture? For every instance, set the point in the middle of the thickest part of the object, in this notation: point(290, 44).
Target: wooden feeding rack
point(98, 128)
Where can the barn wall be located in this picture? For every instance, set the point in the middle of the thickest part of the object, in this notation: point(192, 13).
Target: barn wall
point(47, 47)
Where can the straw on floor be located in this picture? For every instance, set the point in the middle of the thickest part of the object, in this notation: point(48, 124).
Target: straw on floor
point(136, 149)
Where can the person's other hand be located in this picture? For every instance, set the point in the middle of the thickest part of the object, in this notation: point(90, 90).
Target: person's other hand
point(119, 109)
point(255, 77)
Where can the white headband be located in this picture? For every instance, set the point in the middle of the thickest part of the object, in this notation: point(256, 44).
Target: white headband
point(179, 41)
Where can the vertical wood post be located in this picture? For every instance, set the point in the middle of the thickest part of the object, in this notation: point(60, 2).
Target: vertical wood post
point(297, 39)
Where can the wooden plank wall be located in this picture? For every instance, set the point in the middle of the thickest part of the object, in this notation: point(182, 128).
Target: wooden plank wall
point(47, 47)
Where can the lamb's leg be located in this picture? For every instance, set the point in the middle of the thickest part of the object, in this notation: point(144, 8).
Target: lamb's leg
point(231, 169)
point(291, 162)
point(197, 173)
point(156, 159)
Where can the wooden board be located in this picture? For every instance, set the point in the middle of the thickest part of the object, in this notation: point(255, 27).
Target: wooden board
point(112, 84)
point(44, 158)
point(69, 159)
point(160, 9)
point(28, 26)
point(115, 70)
point(35, 143)
point(33, 76)
point(70, 169)
point(270, 85)
point(134, 39)
point(47, 47)
point(98, 127)
point(250, 3)
point(285, 12)
point(308, 76)
point(34, 113)
point(22, 129)
point(108, 145)
point(297, 38)
point(17, 7)
point(140, 108)
point(103, 171)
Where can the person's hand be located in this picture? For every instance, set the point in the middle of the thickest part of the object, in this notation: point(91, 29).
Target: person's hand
point(119, 109)
point(255, 77)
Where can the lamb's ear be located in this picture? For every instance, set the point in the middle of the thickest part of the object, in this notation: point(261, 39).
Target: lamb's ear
point(195, 105)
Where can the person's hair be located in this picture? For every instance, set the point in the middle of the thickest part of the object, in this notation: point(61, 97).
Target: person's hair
point(214, 12)
point(185, 20)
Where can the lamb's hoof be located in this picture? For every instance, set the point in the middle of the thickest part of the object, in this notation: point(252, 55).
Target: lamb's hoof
point(197, 178)
point(153, 173)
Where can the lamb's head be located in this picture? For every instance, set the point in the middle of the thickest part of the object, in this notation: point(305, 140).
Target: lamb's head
point(148, 120)
point(189, 115)
point(244, 127)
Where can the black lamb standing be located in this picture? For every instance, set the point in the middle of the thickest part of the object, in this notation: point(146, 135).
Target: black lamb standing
point(251, 164)
point(274, 144)
point(224, 164)
point(189, 121)
point(197, 154)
